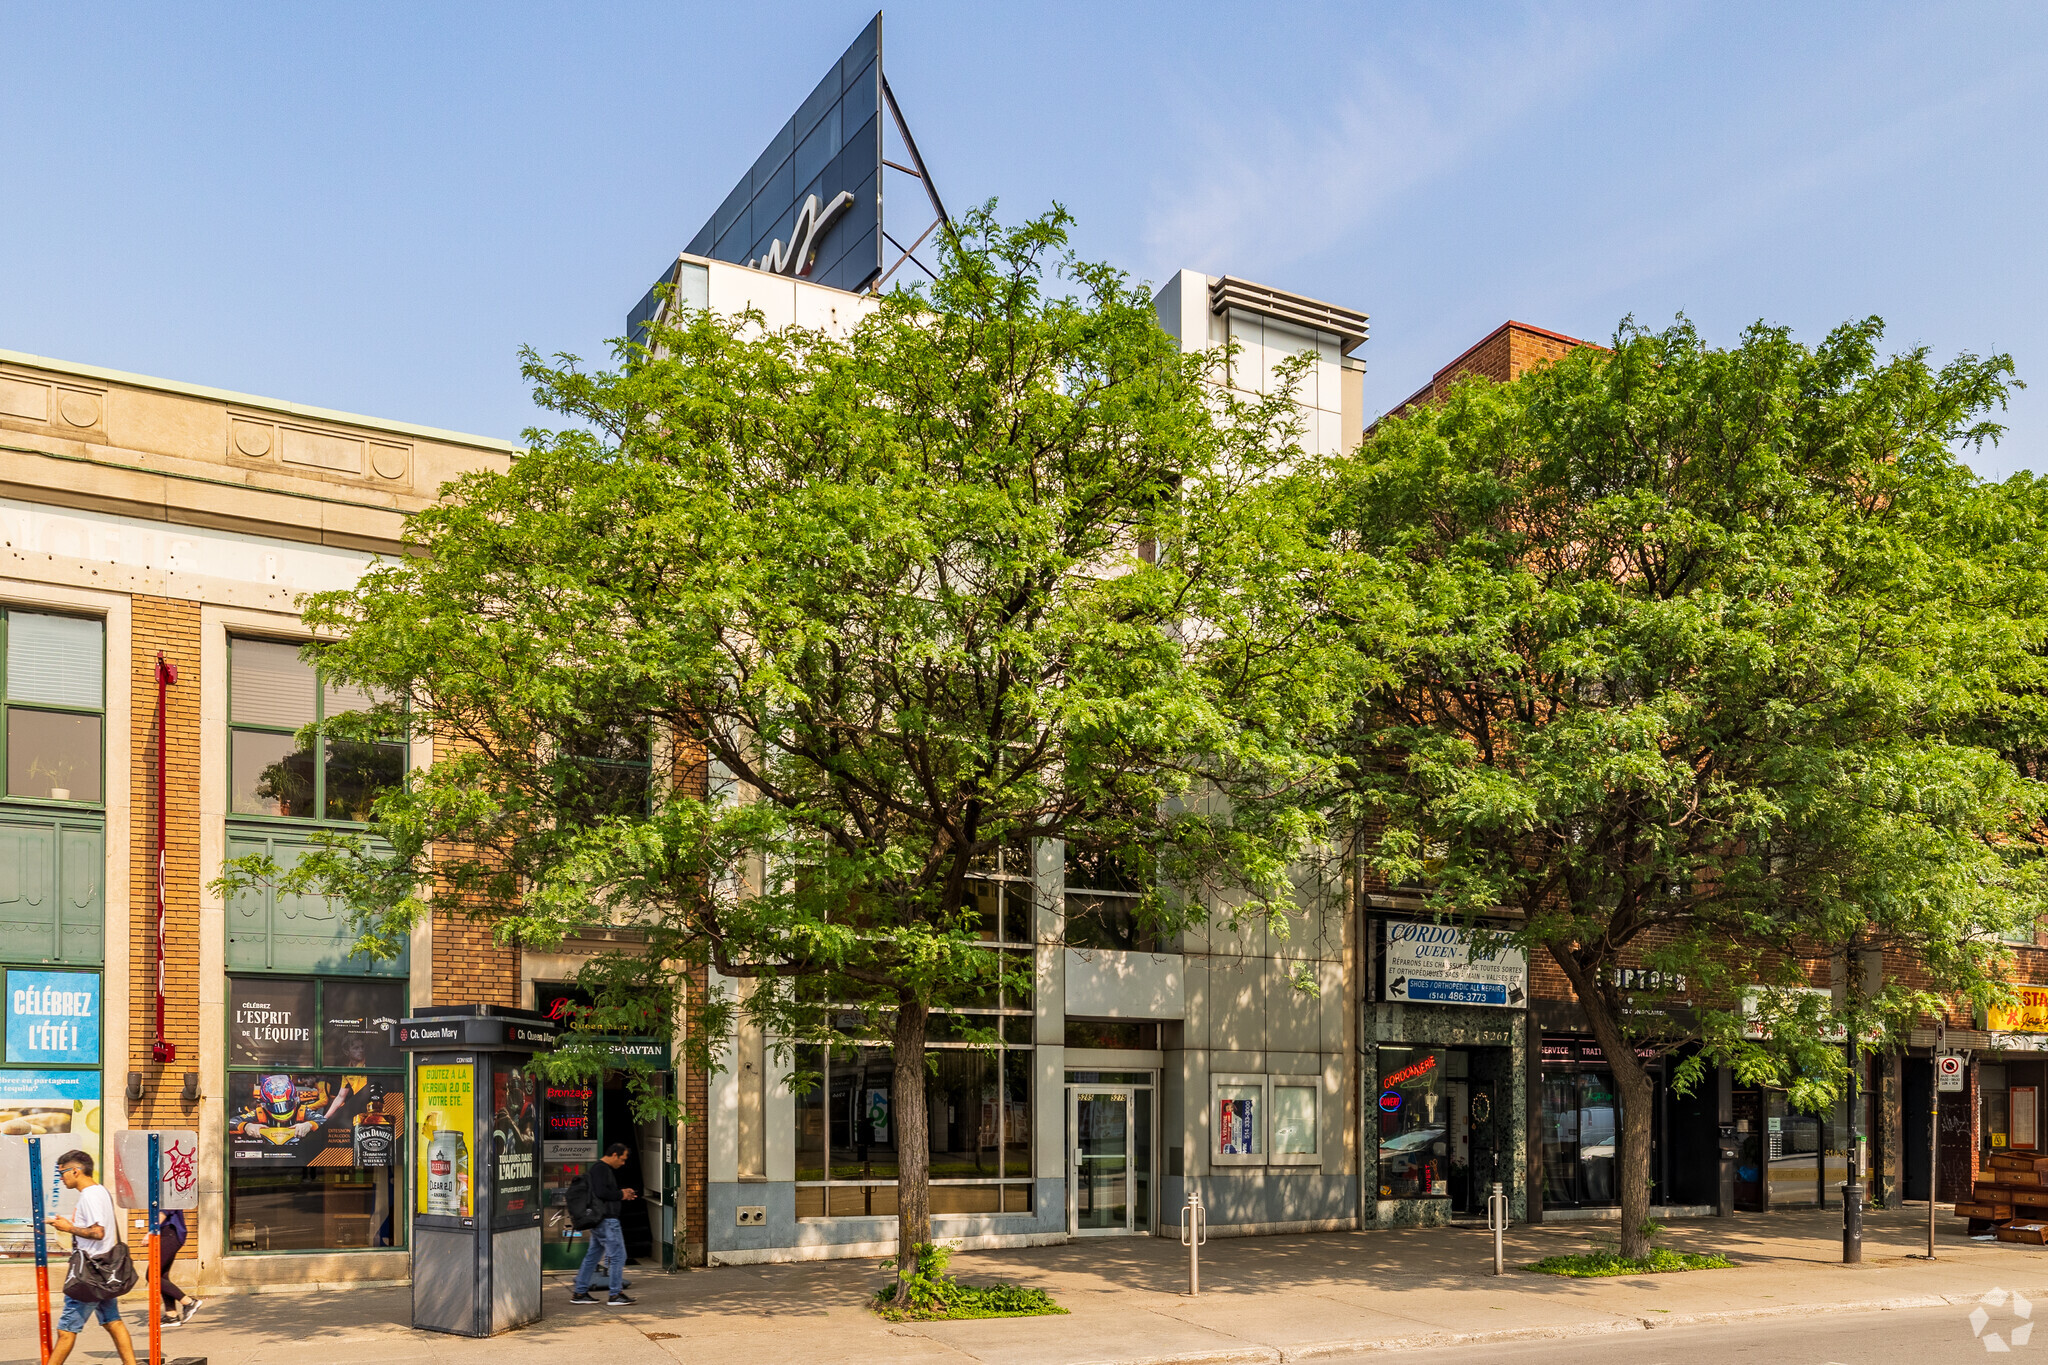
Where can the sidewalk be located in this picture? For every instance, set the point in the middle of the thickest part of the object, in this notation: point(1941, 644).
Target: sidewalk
point(1263, 1299)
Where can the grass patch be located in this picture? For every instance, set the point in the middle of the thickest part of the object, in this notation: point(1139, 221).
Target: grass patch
point(931, 1295)
point(1588, 1265)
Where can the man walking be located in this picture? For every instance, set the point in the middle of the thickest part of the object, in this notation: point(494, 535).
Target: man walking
point(94, 1228)
point(607, 1239)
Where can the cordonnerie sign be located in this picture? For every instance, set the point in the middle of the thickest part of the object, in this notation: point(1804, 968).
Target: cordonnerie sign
point(1436, 964)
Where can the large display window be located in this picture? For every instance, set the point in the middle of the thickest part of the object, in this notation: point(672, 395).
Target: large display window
point(317, 1133)
point(49, 1074)
point(1414, 1124)
point(977, 1091)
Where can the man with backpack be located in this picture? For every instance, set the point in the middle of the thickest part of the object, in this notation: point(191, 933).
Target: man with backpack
point(95, 1231)
point(595, 1203)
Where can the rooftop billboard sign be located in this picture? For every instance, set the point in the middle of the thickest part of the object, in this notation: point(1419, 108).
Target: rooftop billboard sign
point(811, 206)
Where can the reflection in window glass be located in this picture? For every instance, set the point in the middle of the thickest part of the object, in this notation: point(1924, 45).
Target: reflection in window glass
point(810, 1118)
point(357, 774)
point(1108, 922)
point(1294, 1120)
point(307, 1208)
point(53, 755)
point(1415, 1161)
point(271, 775)
point(1017, 1113)
point(863, 1131)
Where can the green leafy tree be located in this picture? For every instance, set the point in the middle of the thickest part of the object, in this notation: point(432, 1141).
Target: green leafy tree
point(1697, 660)
point(998, 565)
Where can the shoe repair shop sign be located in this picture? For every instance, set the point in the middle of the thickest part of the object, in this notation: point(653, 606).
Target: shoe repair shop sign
point(1436, 964)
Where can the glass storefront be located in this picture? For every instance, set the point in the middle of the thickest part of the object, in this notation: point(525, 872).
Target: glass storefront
point(317, 1134)
point(1582, 1130)
point(1414, 1124)
point(977, 1087)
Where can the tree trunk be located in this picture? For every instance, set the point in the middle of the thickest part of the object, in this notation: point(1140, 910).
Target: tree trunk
point(913, 1141)
point(1632, 1157)
point(1632, 1084)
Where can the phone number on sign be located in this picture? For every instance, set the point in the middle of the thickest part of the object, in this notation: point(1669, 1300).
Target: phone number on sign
point(1455, 993)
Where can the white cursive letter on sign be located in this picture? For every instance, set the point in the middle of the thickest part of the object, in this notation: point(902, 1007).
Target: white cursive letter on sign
point(811, 223)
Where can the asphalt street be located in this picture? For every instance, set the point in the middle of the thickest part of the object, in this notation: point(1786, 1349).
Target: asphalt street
point(1922, 1336)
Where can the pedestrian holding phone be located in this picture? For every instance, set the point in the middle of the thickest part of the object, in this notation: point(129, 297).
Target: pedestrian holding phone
point(96, 1232)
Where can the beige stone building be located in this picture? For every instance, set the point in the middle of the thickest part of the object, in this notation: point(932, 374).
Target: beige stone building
point(143, 520)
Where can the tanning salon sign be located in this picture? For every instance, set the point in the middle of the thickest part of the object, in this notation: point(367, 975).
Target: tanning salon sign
point(1435, 964)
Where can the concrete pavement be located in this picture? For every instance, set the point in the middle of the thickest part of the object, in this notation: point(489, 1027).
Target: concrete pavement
point(1263, 1299)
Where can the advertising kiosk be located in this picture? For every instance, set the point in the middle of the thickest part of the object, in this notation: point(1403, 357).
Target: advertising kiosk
point(476, 1262)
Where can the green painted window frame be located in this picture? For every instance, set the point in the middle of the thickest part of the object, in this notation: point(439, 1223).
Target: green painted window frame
point(271, 832)
point(7, 705)
point(320, 819)
point(60, 818)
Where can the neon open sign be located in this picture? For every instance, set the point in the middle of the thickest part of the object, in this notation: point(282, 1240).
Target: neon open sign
point(1390, 1101)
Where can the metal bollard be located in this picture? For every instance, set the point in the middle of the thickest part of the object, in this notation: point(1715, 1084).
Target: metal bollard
point(1194, 1231)
point(1497, 1220)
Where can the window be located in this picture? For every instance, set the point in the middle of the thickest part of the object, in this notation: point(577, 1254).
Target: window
point(613, 771)
point(49, 1069)
point(1113, 1034)
point(977, 1095)
point(1415, 1146)
point(1102, 904)
point(272, 695)
point(1294, 1120)
point(316, 1114)
point(1238, 1108)
point(54, 686)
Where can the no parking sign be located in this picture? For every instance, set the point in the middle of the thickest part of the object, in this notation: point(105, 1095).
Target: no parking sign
point(1948, 1072)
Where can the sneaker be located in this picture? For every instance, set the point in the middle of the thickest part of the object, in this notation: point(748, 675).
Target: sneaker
point(585, 1297)
point(621, 1301)
point(190, 1310)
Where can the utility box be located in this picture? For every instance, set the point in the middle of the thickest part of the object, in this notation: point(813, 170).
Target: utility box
point(475, 1118)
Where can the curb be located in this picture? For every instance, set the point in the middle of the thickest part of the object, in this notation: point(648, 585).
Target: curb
point(1324, 1350)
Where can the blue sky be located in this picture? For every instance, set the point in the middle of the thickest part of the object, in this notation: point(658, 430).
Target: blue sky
point(372, 207)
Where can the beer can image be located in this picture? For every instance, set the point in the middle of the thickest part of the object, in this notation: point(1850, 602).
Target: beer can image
point(448, 1174)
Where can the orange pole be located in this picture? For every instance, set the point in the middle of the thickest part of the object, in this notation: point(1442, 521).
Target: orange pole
point(43, 1308)
point(156, 1299)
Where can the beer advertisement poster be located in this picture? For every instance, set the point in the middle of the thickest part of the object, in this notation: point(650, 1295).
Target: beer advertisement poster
point(446, 1138)
point(325, 1119)
point(515, 1118)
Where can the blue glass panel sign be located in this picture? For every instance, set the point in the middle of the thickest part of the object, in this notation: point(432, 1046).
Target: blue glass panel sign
point(53, 1017)
point(811, 205)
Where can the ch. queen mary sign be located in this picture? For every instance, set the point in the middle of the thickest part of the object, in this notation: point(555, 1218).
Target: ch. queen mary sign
point(1436, 964)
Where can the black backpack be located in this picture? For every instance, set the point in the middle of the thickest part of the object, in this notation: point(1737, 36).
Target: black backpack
point(584, 1214)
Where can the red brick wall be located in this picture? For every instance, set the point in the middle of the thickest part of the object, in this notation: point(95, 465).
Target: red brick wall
point(172, 627)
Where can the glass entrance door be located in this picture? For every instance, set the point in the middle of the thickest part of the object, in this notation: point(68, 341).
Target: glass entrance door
point(1100, 1122)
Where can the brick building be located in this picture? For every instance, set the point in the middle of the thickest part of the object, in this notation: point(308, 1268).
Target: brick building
point(1563, 1148)
point(151, 529)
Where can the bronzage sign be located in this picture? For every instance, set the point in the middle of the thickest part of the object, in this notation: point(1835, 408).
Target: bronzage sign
point(1437, 964)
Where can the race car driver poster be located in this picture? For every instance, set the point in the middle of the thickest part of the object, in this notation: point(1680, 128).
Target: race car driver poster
point(313, 1118)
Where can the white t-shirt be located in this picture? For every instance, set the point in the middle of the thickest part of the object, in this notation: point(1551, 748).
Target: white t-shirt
point(95, 1205)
